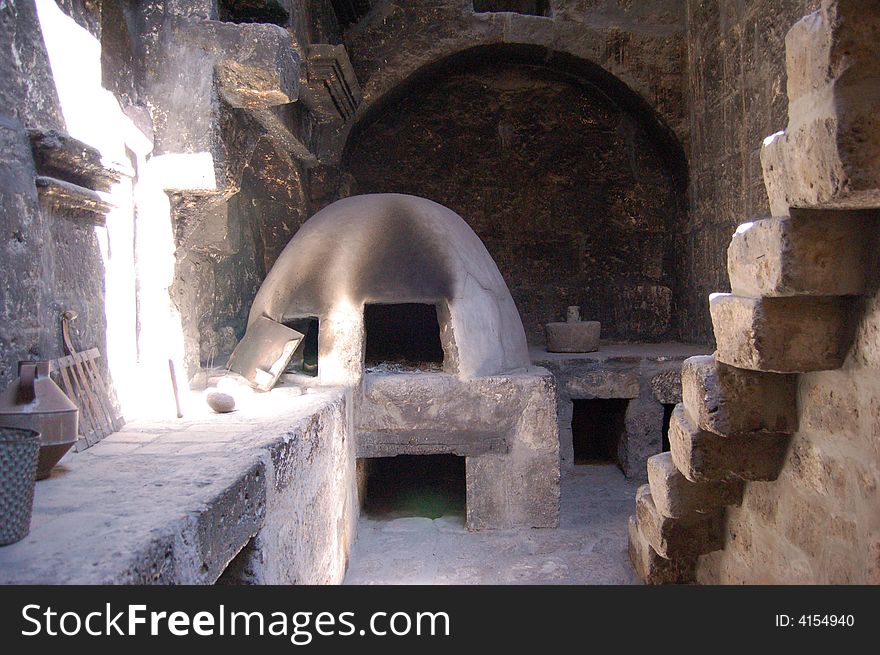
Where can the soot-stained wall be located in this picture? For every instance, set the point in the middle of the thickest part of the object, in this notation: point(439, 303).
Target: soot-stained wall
point(570, 192)
point(736, 78)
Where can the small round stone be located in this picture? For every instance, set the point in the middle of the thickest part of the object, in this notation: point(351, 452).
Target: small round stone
point(220, 402)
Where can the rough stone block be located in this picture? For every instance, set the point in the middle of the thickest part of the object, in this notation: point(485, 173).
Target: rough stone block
point(673, 538)
point(652, 568)
point(820, 253)
point(603, 384)
point(677, 497)
point(256, 67)
point(730, 401)
point(666, 386)
point(642, 437)
point(785, 335)
point(704, 456)
point(828, 154)
point(59, 155)
point(574, 337)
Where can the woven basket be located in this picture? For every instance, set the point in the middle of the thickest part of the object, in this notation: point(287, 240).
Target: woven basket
point(19, 451)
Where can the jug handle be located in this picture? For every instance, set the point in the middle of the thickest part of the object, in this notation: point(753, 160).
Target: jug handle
point(26, 391)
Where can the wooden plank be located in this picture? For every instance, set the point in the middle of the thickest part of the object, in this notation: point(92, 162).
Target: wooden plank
point(85, 424)
point(83, 383)
point(89, 396)
point(101, 393)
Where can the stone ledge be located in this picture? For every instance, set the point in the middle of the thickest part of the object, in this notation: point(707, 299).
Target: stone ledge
point(731, 401)
point(652, 568)
point(691, 536)
point(818, 253)
point(676, 497)
point(781, 335)
point(704, 456)
point(646, 374)
point(174, 502)
point(504, 424)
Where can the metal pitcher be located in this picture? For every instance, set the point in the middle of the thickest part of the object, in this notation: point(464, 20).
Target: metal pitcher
point(35, 402)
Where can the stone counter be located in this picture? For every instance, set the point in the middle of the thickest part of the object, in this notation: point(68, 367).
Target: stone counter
point(269, 487)
point(647, 375)
point(505, 425)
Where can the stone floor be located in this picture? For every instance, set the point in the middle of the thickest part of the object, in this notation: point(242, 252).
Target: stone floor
point(588, 548)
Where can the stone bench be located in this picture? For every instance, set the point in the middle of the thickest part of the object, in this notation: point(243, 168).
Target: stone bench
point(270, 486)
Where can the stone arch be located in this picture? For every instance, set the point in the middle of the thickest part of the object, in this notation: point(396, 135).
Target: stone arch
point(640, 267)
point(398, 41)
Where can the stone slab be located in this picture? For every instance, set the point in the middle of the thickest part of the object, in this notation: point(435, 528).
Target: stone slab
point(783, 335)
point(673, 538)
point(819, 253)
point(573, 337)
point(642, 437)
point(652, 568)
point(828, 154)
point(677, 497)
point(731, 401)
point(589, 385)
point(704, 456)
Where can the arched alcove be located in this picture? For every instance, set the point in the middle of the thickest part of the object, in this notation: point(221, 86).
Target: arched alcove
point(571, 179)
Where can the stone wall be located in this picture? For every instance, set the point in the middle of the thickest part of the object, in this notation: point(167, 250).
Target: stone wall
point(572, 194)
point(818, 522)
point(736, 78)
point(789, 401)
point(50, 262)
point(556, 137)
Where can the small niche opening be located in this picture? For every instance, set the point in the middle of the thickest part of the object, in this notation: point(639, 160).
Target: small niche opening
point(402, 337)
point(415, 485)
point(596, 428)
point(527, 7)
point(668, 408)
point(253, 11)
point(305, 359)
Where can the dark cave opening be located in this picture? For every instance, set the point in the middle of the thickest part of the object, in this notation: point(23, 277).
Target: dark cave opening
point(253, 11)
point(415, 485)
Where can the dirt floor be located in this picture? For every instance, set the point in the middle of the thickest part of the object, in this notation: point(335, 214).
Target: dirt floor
point(589, 547)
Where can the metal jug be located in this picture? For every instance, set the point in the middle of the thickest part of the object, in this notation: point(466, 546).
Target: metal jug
point(35, 402)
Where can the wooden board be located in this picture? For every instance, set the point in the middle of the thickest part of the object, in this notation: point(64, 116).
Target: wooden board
point(80, 378)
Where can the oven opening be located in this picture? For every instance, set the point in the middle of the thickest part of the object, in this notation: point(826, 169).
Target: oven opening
point(402, 337)
point(415, 485)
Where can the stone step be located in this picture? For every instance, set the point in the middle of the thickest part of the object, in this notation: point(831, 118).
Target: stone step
point(677, 537)
point(703, 456)
point(652, 568)
point(677, 497)
point(783, 335)
point(828, 154)
point(820, 253)
point(730, 401)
